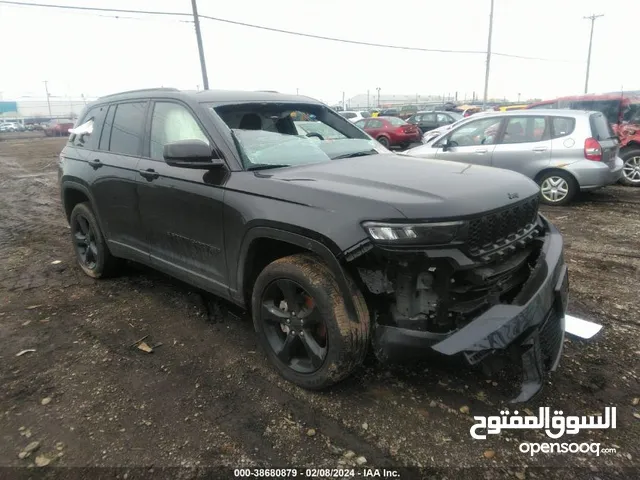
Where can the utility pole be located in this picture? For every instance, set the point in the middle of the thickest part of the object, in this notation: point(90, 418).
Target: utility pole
point(378, 89)
point(368, 105)
point(344, 106)
point(297, 90)
point(486, 72)
point(593, 21)
point(203, 65)
point(46, 89)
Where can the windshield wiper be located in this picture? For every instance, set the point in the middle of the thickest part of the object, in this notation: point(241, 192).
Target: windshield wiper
point(356, 154)
point(265, 166)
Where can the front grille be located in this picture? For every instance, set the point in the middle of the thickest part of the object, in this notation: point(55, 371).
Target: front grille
point(492, 230)
point(551, 338)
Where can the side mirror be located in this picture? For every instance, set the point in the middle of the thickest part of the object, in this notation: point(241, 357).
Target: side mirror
point(191, 154)
point(444, 144)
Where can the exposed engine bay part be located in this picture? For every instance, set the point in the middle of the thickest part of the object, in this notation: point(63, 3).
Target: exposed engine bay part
point(433, 296)
point(512, 307)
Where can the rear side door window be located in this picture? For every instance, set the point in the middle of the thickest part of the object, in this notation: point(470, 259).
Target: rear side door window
point(444, 119)
point(127, 129)
point(524, 130)
point(105, 136)
point(172, 122)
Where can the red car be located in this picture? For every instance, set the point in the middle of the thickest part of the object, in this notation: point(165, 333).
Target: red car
point(623, 113)
point(391, 131)
point(58, 128)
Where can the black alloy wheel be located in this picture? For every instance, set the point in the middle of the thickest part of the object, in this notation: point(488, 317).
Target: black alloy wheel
point(91, 249)
point(293, 326)
point(85, 241)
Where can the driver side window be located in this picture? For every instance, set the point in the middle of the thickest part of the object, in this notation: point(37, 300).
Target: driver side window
point(478, 132)
point(172, 122)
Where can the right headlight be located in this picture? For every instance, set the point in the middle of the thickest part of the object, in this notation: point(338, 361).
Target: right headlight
point(417, 233)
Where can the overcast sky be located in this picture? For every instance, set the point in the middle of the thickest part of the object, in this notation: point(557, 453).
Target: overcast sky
point(94, 54)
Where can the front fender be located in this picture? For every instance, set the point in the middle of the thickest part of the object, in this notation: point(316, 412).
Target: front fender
point(299, 240)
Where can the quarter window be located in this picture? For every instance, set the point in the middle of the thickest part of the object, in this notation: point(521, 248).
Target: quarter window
point(172, 122)
point(127, 128)
point(562, 126)
point(91, 124)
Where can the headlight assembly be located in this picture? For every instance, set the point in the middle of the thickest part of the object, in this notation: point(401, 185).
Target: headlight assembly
point(416, 233)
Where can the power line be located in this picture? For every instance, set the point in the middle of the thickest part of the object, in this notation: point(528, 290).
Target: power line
point(279, 30)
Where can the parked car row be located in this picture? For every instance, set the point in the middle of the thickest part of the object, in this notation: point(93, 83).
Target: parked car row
point(55, 128)
point(12, 127)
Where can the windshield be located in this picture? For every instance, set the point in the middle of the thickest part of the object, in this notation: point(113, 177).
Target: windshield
point(455, 115)
point(270, 135)
point(264, 149)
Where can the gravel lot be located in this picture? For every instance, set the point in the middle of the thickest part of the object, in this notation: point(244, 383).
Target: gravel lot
point(206, 396)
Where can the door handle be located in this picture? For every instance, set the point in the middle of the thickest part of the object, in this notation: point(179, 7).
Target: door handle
point(481, 150)
point(149, 174)
point(95, 163)
point(540, 149)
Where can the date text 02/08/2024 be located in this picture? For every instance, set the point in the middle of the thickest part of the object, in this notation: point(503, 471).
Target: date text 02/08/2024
point(315, 472)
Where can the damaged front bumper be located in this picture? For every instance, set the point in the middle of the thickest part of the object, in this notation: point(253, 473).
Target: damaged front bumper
point(531, 330)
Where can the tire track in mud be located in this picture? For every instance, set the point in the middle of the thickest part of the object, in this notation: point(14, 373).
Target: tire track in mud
point(242, 405)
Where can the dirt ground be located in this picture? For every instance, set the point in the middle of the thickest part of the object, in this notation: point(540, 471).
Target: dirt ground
point(206, 397)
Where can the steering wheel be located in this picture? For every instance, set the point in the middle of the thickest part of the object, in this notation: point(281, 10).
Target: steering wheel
point(315, 134)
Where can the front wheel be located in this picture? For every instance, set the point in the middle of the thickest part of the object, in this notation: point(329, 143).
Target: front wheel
point(631, 168)
point(302, 323)
point(557, 188)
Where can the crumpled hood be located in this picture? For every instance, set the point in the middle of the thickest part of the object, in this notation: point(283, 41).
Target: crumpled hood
point(418, 188)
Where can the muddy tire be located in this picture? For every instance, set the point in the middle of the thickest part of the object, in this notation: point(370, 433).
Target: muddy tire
point(92, 252)
point(631, 167)
point(302, 323)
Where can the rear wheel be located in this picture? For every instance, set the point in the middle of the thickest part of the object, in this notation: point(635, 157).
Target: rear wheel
point(91, 249)
point(384, 141)
point(302, 324)
point(631, 168)
point(557, 188)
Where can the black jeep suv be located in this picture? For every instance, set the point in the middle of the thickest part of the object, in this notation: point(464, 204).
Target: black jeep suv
point(334, 244)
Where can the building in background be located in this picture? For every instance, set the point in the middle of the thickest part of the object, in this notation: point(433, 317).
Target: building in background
point(36, 109)
point(394, 100)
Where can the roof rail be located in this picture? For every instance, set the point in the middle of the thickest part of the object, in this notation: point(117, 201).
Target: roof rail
point(267, 91)
point(158, 89)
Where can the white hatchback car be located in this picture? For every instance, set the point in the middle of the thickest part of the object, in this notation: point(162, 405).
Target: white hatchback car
point(353, 116)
